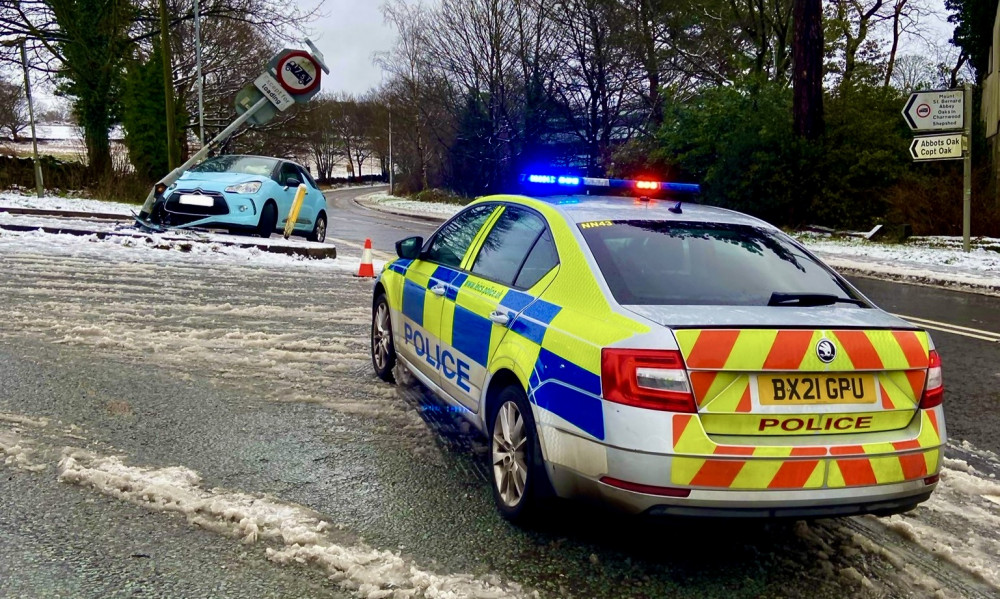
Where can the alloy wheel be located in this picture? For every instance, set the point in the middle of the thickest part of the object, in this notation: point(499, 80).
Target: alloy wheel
point(510, 470)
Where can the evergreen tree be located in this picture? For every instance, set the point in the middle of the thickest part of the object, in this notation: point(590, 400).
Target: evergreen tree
point(143, 108)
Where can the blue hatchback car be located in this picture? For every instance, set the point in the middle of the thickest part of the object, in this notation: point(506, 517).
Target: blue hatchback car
point(244, 194)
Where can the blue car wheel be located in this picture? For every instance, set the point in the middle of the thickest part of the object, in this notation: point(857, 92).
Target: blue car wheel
point(268, 220)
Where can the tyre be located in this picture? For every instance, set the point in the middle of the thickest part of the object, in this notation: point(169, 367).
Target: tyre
point(268, 220)
point(319, 229)
point(383, 349)
point(520, 483)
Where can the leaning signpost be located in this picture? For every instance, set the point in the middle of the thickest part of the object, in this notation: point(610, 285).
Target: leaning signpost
point(291, 77)
point(948, 114)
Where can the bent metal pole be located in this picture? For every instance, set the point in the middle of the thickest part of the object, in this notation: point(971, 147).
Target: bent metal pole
point(200, 155)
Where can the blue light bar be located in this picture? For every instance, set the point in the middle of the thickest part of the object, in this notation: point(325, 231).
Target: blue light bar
point(638, 186)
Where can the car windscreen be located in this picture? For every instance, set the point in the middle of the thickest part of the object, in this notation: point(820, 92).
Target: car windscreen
point(677, 263)
point(246, 165)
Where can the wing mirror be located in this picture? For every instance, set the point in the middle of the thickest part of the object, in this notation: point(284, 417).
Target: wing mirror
point(409, 248)
point(292, 182)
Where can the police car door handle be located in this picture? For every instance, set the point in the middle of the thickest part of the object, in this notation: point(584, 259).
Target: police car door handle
point(500, 318)
point(439, 289)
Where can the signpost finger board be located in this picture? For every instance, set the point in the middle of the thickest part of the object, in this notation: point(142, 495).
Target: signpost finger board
point(937, 147)
point(938, 110)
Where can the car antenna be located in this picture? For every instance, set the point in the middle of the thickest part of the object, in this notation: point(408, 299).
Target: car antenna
point(676, 208)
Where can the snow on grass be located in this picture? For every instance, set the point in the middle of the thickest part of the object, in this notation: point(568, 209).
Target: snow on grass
point(200, 249)
point(928, 260)
point(295, 534)
point(13, 199)
point(382, 199)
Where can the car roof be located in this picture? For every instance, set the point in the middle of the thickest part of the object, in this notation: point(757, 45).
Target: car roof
point(587, 208)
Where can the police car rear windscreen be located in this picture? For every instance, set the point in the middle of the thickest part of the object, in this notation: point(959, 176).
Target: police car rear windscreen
point(677, 263)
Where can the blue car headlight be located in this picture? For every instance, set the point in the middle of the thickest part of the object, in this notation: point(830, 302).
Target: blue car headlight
point(244, 188)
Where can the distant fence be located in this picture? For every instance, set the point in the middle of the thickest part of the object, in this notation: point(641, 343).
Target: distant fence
point(56, 173)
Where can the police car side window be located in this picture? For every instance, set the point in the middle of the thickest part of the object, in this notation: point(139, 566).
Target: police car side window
point(507, 246)
point(541, 260)
point(450, 244)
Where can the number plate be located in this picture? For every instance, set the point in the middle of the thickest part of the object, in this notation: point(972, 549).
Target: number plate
point(793, 390)
point(197, 200)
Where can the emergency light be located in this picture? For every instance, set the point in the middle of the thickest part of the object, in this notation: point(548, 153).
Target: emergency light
point(587, 183)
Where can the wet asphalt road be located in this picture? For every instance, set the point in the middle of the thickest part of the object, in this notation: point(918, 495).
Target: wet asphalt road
point(259, 380)
point(352, 224)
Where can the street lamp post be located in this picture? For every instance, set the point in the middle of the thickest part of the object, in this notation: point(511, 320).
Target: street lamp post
point(39, 184)
point(201, 81)
point(391, 169)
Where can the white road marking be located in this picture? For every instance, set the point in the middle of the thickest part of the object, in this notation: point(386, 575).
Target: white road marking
point(954, 329)
point(360, 246)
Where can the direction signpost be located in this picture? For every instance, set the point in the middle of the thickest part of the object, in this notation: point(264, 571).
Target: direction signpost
point(941, 111)
point(291, 77)
point(937, 147)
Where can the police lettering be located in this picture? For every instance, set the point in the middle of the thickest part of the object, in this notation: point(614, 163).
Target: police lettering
point(816, 424)
point(438, 358)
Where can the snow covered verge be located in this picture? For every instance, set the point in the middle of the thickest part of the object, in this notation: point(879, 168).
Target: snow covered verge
point(936, 261)
point(13, 199)
point(382, 201)
point(161, 249)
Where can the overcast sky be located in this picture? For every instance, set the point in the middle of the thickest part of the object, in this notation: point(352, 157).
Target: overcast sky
point(348, 35)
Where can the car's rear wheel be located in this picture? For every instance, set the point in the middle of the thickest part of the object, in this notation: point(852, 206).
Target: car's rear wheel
point(383, 349)
point(268, 220)
point(319, 229)
point(520, 483)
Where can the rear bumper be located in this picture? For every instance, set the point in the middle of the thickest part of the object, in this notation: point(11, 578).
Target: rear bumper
point(886, 474)
point(879, 499)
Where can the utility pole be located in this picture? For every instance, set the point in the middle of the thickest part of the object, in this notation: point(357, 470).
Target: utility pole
point(201, 80)
point(391, 169)
point(39, 184)
point(967, 174)
point(168, 86)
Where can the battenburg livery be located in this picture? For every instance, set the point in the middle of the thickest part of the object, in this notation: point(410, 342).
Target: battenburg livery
point(661, 356)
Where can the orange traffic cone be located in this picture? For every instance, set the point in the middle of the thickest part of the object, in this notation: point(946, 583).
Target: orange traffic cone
point(366, 269)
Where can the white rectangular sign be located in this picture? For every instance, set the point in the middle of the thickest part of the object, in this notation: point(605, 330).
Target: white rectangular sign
point(937, 147)
point(936, 110)
point(273, 91)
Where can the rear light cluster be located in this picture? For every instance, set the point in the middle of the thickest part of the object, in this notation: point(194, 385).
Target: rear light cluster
point(934, 388)
point(646, 378)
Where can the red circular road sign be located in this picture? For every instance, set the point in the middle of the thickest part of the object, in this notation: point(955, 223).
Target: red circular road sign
point(923, 111)
point(298, 73)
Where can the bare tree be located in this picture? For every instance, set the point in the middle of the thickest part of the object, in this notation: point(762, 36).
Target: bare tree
point(13, 109)
point(595, 83)
point(407, 64)
point(913, 72)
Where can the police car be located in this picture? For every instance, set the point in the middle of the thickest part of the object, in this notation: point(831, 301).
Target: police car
point(661, 356)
